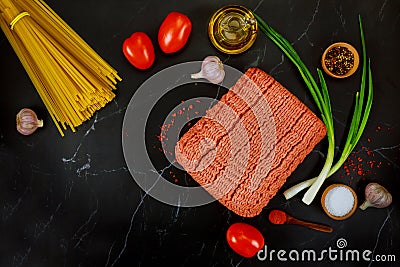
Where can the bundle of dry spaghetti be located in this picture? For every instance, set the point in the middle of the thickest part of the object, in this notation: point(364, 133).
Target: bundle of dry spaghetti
point(71, 78)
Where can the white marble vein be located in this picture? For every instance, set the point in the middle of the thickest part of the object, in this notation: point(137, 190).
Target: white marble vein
point(387, 148)
point(382, 11)
point(20, 259)
point(109, 254)
point(133, 217)
point(272, 71)
point(291, 6)
point(129, 230)
point(226, 59)
point(258, 5)
point(97, 173)
point(310, 23)
point(41, 227)
point(69, 184)
point(86, 228)
point(84, 167)
point(340, 122)
point(215, 100)
point(111, 114)
point(342, 20)
point(388, 217)
point(379, 151)
point(260, 55)
point(73, 157)
point(238, 264)
point(178, 208)
point(319, 152)
point(10, 209)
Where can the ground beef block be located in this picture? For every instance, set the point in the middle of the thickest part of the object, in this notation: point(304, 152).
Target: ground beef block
point(224, 150)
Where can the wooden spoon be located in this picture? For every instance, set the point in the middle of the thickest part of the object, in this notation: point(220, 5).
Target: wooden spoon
point(281, 217)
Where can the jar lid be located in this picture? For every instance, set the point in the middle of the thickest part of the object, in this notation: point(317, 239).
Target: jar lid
point(232, 29)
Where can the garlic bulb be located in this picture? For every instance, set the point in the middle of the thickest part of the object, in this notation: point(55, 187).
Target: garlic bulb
point(27, 121)
point(212, 70)
point(376, 196)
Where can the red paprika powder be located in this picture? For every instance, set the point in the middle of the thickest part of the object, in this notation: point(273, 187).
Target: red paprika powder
point(277, 217)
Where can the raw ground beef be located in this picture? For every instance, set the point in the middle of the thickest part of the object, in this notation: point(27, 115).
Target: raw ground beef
point(209, 150)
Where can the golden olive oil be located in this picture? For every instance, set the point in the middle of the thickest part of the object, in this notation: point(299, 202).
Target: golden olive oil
point(232, 29)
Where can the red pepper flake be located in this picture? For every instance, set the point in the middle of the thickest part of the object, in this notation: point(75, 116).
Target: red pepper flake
point(163, 136)
point(360, 164)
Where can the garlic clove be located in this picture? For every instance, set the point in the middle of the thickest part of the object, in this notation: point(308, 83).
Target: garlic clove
point(366, 204)
point(212, 69)
point(376, 196)
point(27, 121)
point(198, 75)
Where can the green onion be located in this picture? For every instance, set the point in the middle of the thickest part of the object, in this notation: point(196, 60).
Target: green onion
point(321, 99)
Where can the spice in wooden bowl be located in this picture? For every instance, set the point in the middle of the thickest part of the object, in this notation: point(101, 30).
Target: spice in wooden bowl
point(339, 201)
point(340, 60)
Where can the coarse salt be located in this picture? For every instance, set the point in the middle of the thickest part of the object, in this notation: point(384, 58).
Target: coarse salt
point(339, 201)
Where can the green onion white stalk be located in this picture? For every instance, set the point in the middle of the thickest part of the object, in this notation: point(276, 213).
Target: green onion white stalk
point(321, 98)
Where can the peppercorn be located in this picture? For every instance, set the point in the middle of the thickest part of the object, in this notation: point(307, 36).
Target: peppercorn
point(339, 60)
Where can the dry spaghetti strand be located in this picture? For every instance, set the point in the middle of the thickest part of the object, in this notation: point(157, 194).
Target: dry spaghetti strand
point(72, 80)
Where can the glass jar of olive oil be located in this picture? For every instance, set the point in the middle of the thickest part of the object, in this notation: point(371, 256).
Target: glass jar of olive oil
point(232, 29)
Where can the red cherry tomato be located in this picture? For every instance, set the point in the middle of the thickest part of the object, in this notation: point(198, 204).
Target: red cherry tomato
point(139, 50)
point(174, 32)
point(244, 239)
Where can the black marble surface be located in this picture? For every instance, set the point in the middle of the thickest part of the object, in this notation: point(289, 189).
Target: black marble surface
point(72, 201)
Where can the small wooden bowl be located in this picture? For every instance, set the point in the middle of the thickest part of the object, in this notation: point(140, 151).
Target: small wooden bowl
point(351, 212)
point(352, 50)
